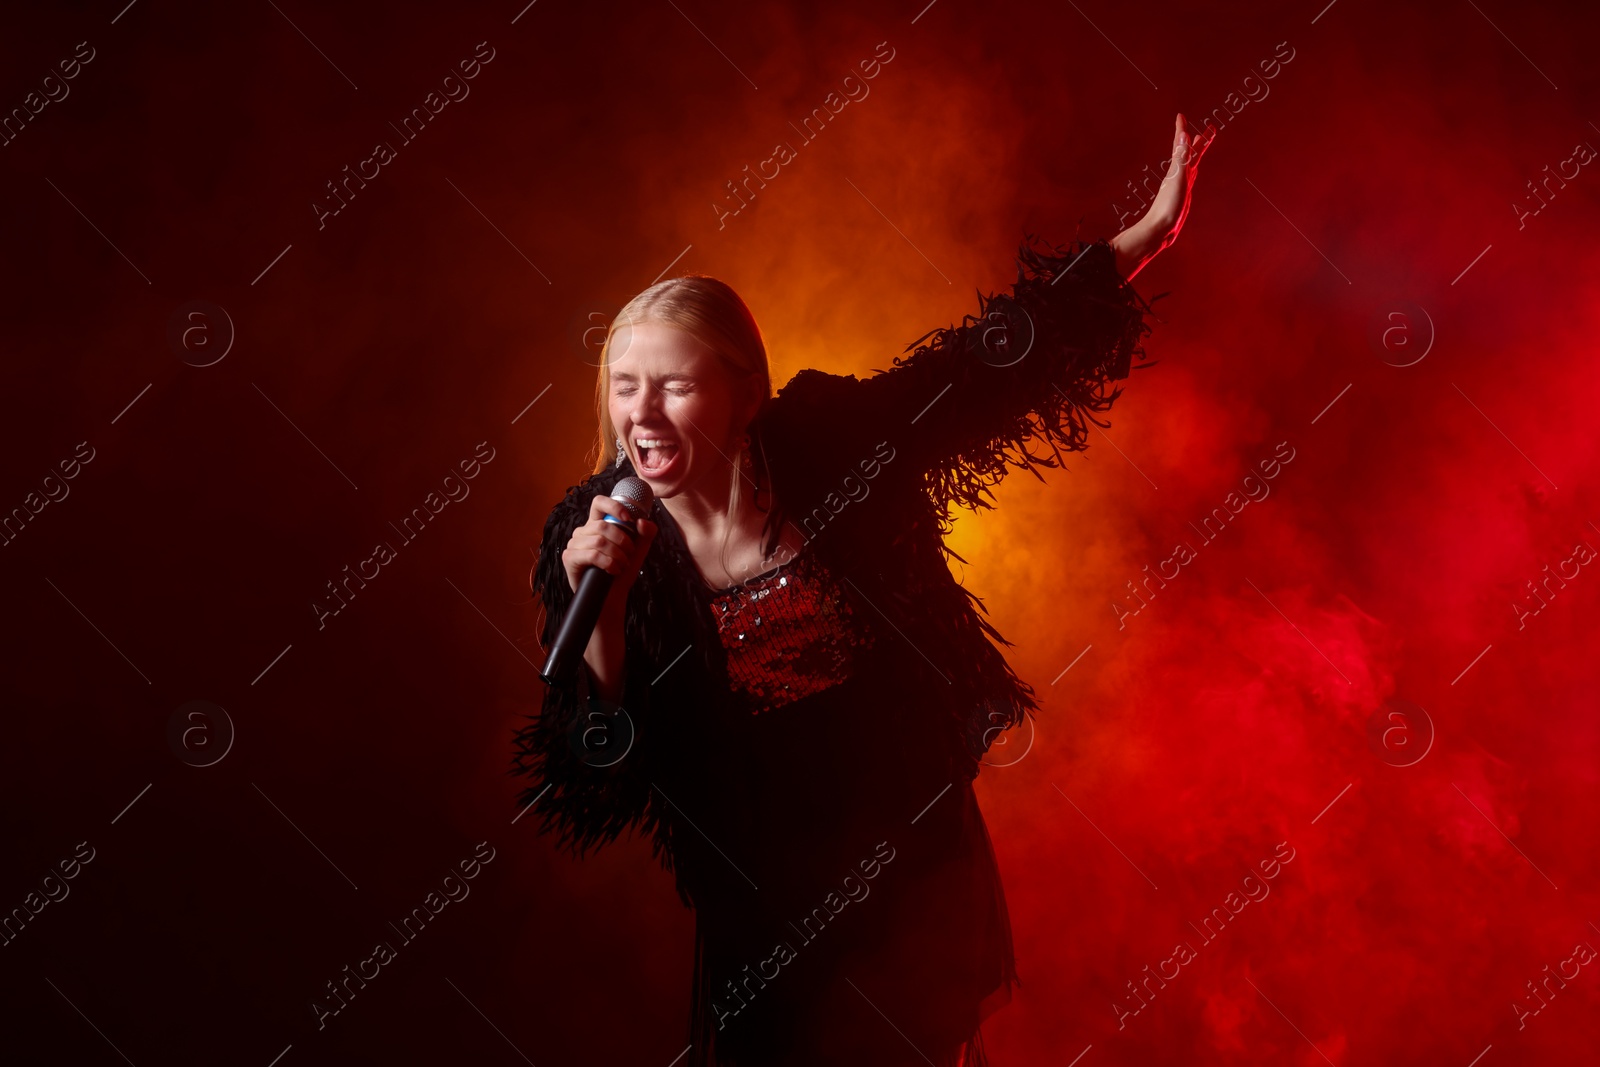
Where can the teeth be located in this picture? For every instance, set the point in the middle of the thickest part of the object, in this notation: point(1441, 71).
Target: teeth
point(653, 442)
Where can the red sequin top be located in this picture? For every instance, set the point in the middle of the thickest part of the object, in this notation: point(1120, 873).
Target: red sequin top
point(789, 632)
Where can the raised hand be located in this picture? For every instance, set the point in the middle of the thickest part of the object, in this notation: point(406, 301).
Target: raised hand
point(1139, 243)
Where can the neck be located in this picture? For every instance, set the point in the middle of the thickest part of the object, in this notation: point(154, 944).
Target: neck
point(701, 511)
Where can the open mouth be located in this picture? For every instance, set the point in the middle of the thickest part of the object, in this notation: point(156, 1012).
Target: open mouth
point(657, 456)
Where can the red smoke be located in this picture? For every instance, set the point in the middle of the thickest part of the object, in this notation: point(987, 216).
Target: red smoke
point(1427, 543)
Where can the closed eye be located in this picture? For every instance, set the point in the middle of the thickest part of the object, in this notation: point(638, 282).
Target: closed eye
point(628, 390)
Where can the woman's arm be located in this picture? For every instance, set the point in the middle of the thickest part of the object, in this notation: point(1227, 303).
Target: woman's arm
point(577, 790)
point(1139, 243)
point(972, 400)
point(604, 655)
point(1033, 367)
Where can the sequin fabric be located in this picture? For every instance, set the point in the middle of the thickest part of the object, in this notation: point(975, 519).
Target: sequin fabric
point(789, 633)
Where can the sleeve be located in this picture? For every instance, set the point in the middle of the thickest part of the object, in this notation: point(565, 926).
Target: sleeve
point(1032, 366)
point(581, 754)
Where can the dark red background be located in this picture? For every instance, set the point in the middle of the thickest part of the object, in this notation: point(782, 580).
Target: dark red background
point(1175, 754)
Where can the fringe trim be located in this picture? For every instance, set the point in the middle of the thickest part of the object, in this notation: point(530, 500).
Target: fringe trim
point(972, 1053)
point(701, 1051)
point(585, 806)
point(1083, 322)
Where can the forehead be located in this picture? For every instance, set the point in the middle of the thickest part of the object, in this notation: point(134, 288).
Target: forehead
point(655, 350)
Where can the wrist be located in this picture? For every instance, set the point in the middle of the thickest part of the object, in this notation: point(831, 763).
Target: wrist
point(1149, 232)
point(609, 637)
point(1132, 247)
point(615, 611)
point(1139, 243)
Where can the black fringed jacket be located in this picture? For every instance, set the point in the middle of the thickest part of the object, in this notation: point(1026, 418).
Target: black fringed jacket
point(869, 470)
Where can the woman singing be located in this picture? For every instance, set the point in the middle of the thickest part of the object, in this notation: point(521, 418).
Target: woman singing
point(787, 688)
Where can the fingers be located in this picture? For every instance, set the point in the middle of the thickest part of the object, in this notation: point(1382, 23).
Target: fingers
point(575, 560)
point(592, 550)
point(1184, 149)
point(1189, 149)
point(609, 560)
point(604, 535)
point(600, 507)
point(1199, 143)
point(606, 545)
point(605, 505)
point(597, 543)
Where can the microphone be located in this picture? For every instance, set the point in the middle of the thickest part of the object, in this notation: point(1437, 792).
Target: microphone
point(636, 497)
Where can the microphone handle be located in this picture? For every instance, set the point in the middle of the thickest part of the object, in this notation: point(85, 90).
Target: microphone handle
point(566, 652)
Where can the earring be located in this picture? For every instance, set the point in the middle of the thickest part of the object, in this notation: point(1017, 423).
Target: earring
point(745, 459)
point(622, 453)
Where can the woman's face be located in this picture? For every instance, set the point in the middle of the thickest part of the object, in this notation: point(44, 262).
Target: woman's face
point(673, 406)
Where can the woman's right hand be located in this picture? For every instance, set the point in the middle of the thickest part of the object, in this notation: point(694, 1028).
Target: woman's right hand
point(598, 543)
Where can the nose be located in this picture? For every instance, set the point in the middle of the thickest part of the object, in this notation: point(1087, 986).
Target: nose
point(645, 404)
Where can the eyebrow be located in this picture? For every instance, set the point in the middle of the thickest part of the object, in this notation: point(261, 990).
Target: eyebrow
point(675, 376)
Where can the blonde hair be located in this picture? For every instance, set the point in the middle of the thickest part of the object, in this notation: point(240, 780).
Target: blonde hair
point(711, 312)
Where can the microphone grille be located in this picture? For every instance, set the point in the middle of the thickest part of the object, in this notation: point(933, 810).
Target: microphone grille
point(635, 494)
